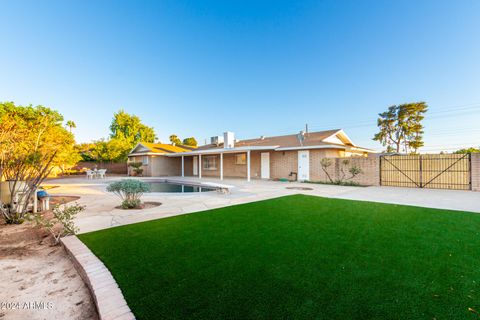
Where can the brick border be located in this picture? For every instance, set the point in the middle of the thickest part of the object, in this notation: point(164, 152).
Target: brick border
point(108, 297)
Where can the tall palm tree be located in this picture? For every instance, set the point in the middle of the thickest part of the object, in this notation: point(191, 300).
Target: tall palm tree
point(70, 125)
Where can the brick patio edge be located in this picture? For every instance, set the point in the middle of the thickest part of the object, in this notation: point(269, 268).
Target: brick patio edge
point(108, 297)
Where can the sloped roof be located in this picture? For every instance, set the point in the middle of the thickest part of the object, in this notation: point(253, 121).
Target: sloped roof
point(162, 148)
point(288, 141)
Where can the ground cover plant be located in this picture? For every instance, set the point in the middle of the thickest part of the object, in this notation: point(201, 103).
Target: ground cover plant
point(298, 257)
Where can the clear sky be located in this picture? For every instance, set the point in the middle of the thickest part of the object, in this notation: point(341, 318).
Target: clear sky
point(198, 68)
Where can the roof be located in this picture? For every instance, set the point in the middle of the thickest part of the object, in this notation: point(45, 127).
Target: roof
point(291, 140)
point(160, 148)
point(335, 139)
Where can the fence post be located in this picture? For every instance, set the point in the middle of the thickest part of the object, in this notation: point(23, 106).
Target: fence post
point(380, 170)
point(421, 171)
point(470, 170)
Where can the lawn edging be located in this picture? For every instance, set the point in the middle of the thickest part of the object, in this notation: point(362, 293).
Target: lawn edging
point(108, 297)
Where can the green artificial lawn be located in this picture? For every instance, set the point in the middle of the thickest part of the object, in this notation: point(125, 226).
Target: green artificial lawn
point(298, 257)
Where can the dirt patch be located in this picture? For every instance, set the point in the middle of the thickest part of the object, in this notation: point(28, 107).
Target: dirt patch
point(33, 271)
point(144, 205)
point(54, 200)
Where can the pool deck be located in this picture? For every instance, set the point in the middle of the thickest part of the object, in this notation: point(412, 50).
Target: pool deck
point(101, 213)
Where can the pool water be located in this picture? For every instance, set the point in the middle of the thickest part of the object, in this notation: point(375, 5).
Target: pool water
point(162, 186)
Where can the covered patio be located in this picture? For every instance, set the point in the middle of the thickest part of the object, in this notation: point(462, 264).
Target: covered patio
point(246, 162)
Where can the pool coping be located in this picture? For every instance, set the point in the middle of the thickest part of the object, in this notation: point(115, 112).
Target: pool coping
point(207, 184)
point(108, 298)
point(198, 184)
point(223, 188)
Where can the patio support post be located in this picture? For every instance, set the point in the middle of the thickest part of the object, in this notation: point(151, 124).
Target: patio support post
point(248, 165)
point(183, 167)
point(221, 166)
point(200, 166)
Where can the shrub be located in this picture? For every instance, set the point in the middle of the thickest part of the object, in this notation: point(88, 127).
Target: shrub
point(131, 204)
point(63, 215)
point(342, 179)
point(130, 191)
point(137, 168)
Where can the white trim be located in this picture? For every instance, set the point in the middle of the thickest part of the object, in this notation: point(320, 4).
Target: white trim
point(303, 170)
point(312, 147)
point(265, 165)
point(195, 166)
point(244, 149)
point(248, 165)
point(362, 149)
point(146, 154)
point(222, 150)
point(344, 134)
point(199, 166)
point(138, 143)
point(221, 166)
point(183, 166)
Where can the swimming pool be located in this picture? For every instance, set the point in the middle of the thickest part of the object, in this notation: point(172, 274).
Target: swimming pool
point(177, 187)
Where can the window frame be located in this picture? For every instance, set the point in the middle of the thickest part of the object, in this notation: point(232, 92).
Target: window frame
point(243, 157)
point(145, 160)
point(206, 161)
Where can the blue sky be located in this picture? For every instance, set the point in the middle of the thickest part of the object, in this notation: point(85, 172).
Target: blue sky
point(198, 68)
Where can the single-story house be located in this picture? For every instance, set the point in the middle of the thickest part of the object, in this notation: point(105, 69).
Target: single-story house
point(292, 157)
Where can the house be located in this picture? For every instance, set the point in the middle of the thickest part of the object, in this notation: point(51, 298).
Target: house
point(292, 157)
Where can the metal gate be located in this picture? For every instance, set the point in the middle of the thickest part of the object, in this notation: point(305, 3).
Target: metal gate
point(435, 171)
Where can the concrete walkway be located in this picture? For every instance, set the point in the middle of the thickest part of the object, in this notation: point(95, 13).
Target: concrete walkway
point(101, 213)
point(431, 198)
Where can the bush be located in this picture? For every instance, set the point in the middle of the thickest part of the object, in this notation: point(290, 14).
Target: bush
point(137, 168)
point(130, 191)
point(342, 179)
point(131, 204)
point(63, 216)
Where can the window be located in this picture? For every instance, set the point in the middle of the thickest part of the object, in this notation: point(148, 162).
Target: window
point(210, 163)
point(145, 160)
point(241, 158)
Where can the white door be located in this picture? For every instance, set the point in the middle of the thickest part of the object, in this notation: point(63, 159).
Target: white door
point(265, 165)
point(303, 165)
point(195, 166)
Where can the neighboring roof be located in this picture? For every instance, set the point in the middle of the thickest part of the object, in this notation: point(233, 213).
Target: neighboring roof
point(160, 148)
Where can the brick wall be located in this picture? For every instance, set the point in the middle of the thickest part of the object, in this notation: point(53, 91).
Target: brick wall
point(370, 175)
point(282, 163)
point(476, 171)
point(165, 166)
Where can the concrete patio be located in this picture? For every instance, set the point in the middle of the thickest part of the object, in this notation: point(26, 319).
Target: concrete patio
point(101, 213)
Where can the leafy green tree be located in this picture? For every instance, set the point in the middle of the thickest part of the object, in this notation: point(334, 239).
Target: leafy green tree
point(175, 140)
point(126, 131)
point(190, 142)
point(32, 142)
point(70, 124)
point(400, 127)
point(130, 128)
point(85, 151)
point(468, 150)
point(67, 158)
point(113, 150)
